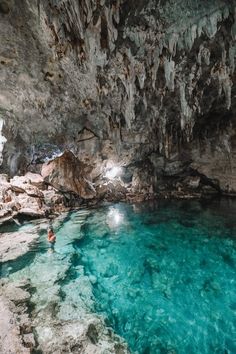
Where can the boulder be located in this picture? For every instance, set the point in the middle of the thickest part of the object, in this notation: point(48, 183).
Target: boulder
point(67, 174)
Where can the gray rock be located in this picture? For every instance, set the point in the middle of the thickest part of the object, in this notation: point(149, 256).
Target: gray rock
point(117, 84)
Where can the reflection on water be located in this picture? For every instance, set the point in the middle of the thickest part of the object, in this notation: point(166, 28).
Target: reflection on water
point(114, 217)
point(162, 274)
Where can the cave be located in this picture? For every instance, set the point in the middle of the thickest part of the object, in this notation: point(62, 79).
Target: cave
point(118, 139)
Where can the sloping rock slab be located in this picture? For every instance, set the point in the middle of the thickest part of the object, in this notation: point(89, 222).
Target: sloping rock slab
point(67, 174)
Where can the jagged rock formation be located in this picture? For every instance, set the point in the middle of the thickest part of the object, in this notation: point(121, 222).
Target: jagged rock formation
point(27, 196)
point(147, 85)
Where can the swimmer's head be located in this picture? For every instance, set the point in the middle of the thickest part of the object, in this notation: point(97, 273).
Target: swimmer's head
point(50, 229)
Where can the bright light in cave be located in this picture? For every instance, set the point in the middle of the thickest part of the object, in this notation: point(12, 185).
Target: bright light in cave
point(113, 172)
point(114, 218)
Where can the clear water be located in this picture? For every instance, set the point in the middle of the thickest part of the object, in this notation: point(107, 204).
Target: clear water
point(163, 275)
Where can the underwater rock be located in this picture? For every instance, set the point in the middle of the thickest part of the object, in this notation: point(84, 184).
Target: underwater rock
point(16, 332)
point(63, 313)
point(15, 244)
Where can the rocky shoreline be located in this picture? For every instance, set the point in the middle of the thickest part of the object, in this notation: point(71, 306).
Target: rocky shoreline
point(27, 196)
point(66, 183)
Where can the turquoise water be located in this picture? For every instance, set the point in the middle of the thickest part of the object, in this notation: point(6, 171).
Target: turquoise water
point(162, 275)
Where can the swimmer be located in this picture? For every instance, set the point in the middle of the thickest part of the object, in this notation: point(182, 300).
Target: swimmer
point(51, 237)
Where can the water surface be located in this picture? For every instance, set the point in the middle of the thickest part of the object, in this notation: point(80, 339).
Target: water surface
point(162, 274)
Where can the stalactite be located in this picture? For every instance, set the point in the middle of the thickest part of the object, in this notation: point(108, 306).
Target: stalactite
point(190, 36)
point(172, 43)
point(140, 74)
point(203, 54)
point(225, 84)
point(232, 56)
point(169, 67)
point(3, 140)
point(186, 111)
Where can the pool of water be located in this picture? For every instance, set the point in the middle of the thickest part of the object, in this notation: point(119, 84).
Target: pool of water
point(162, 274)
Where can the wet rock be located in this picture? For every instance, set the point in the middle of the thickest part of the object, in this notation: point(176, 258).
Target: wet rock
point(72, 337)
point(53, 199)
point(111, 190)
point(10, 340)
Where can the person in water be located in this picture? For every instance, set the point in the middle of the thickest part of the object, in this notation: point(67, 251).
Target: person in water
point(51, 237)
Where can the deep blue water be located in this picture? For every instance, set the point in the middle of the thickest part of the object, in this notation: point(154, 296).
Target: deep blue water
point(162, 274)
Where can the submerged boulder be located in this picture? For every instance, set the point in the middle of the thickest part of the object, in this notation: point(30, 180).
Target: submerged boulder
point(67, 174)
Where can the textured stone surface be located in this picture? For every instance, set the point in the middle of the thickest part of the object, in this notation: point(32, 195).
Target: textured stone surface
point(68, 174)
point(15, 244)
point(132, 83)
point(15, 327)
point(19, 197)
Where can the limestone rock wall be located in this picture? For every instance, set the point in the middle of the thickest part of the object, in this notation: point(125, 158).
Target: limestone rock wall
point(132, 83)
